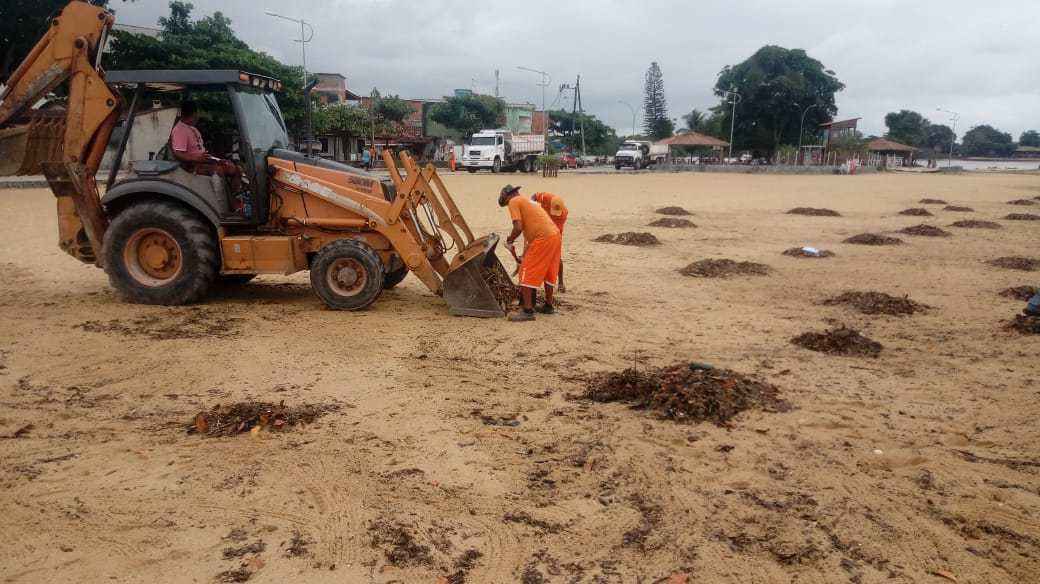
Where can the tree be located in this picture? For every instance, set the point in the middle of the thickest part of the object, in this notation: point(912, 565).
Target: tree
point(600, 139)
point(656, 123)
point(24, 22)
point(695, 120)
point(468, 114)
point(342, 118)
point(1029, 138)
point(986, 141)
point(393, 109)
point(849, 146)
point(207, 43)
point(776, 85)
point(907, 127)
point(940, 137)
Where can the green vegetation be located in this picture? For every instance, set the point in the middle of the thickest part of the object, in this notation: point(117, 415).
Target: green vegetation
point(656, 122)
point(600, 139)
point(468, 114)
point(987, 141)
point(1029, 138)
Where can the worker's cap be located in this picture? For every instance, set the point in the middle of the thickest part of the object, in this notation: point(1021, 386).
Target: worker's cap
point(507, 190)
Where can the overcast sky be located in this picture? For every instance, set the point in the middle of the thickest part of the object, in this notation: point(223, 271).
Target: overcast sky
point(976, 57)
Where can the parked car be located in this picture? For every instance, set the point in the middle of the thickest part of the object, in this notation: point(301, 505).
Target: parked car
point(568, 160)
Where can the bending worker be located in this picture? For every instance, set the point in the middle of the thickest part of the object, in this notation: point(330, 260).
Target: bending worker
point(541, 263)
point(557, 210)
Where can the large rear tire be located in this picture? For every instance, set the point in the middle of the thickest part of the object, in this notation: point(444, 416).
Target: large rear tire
point(347, 274)
point(159, 252)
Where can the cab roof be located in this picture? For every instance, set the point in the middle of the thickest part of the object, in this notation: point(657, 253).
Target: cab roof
point(179, 79)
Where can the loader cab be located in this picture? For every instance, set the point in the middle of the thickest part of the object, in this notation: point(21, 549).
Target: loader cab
point(243, 124)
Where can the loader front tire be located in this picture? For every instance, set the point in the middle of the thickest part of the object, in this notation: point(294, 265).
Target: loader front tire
point(159, 252)
point(347, 274)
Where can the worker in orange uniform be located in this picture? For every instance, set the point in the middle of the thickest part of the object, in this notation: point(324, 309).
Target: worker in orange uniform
point(541, 263)
point(557, 210)
point(451, 159)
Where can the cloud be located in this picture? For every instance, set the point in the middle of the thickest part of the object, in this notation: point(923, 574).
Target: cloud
point(972, 57)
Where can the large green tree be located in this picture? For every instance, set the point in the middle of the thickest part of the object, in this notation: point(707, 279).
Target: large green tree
point(600, 139)
point(468, 114)
point(696, 121)
point(656, 123)
point(940, 137)
point(776, 85)
point(1029, 138)
point(207, 43)
point(23, 22)
point(907, 127)
point(986, 140)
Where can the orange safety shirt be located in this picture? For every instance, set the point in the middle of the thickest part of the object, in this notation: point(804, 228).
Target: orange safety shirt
point(532, 217)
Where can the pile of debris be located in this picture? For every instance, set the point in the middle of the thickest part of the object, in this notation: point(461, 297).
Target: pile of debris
point(1023, 202)
point(932, 202)
point(814, 212)
point(973, 224)
point(1016, 263)
point(917, 212)
point(808, 252)
point(672, 222)
point(872, 302)
point(254, 417)
point(673, 211)
point(501, 286)
point(839, 341)
point(1027, 325)
point(687, 392)
point(724, 268)
point(958, 209)
point(873, 239)
point(630, 238)
point(926, 231)
point(1022, 217)
point(1022, 293)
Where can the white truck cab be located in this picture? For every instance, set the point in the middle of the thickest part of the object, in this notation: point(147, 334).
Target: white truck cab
point(501, 150)
point(639, 154)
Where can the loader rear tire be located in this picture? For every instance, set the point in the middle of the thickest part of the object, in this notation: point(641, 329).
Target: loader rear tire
point(395, 277)
point(347, 274)
point(159, 252)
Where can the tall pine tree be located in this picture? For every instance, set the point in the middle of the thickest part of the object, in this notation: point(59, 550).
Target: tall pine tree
point(656, 123)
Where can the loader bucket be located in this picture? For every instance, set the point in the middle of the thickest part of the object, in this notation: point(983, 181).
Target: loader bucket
point(477, 284)
point(23, 148)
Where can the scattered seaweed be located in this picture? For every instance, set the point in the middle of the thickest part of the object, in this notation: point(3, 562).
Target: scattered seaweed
point(687, 392)
point(839, 341)
point(1016, 263)
point(1027, 325)
point(974, 224)
point(1022, 293)
point(1022, 217)
point(1023, 202)
point(932, 202)
point(501, 285)
point(814, 212)
point(245, 416)
point(801, 252)
point(399, 546)
point(916, 212)
point(672, 222)
point(724, 268)
point(873, 239)
point(958, 209)
point(673, 211)
point(872, 302)
point(630, 238)
point(926, 231)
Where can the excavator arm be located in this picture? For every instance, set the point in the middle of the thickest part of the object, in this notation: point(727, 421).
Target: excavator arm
point(67, 148)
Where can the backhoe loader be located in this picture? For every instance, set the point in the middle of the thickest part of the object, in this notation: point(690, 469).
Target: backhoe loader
point(164, 234)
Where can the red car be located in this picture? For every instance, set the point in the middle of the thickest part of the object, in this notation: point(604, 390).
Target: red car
point(568, 160)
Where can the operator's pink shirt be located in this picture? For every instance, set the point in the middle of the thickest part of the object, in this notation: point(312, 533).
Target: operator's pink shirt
point(187, 139)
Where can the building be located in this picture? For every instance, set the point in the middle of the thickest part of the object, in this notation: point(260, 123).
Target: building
point(1026, 152)
point(694, 141)
point(332, 89)
point(889, 153)
point(834, 130)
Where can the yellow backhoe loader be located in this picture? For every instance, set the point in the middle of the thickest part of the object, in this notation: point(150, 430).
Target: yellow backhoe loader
point(164, 235)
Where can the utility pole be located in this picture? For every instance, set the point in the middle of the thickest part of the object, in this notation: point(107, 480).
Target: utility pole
point(546, 80)
point(303, 40)
point(735, 98)
point(633, 110)
point(954, 116)
point(496, 83)
point(581, 113)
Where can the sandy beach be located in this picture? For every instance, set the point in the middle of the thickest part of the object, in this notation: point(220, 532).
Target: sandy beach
point(461, 449)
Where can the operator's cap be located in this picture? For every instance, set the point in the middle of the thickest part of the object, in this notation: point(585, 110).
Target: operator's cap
point(504, 195)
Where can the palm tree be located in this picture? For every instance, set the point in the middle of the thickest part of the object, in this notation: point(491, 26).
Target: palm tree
point(695, 120)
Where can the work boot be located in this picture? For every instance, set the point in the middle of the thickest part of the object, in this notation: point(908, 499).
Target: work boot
point(546, 309)
point(1029, 311)
point(521, 316)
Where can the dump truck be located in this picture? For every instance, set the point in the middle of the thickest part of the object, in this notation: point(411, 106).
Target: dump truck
point(639, 154)
point(502, 150)
point(165, 235)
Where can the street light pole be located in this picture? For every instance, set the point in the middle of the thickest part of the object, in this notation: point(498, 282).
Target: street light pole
point(954, 116)
point(303, 40)
point(801, 125)
point(546, 80)
point(735, 99)
point(633, 110)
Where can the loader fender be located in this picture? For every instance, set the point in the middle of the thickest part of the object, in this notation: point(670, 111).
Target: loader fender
point(131, 190)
